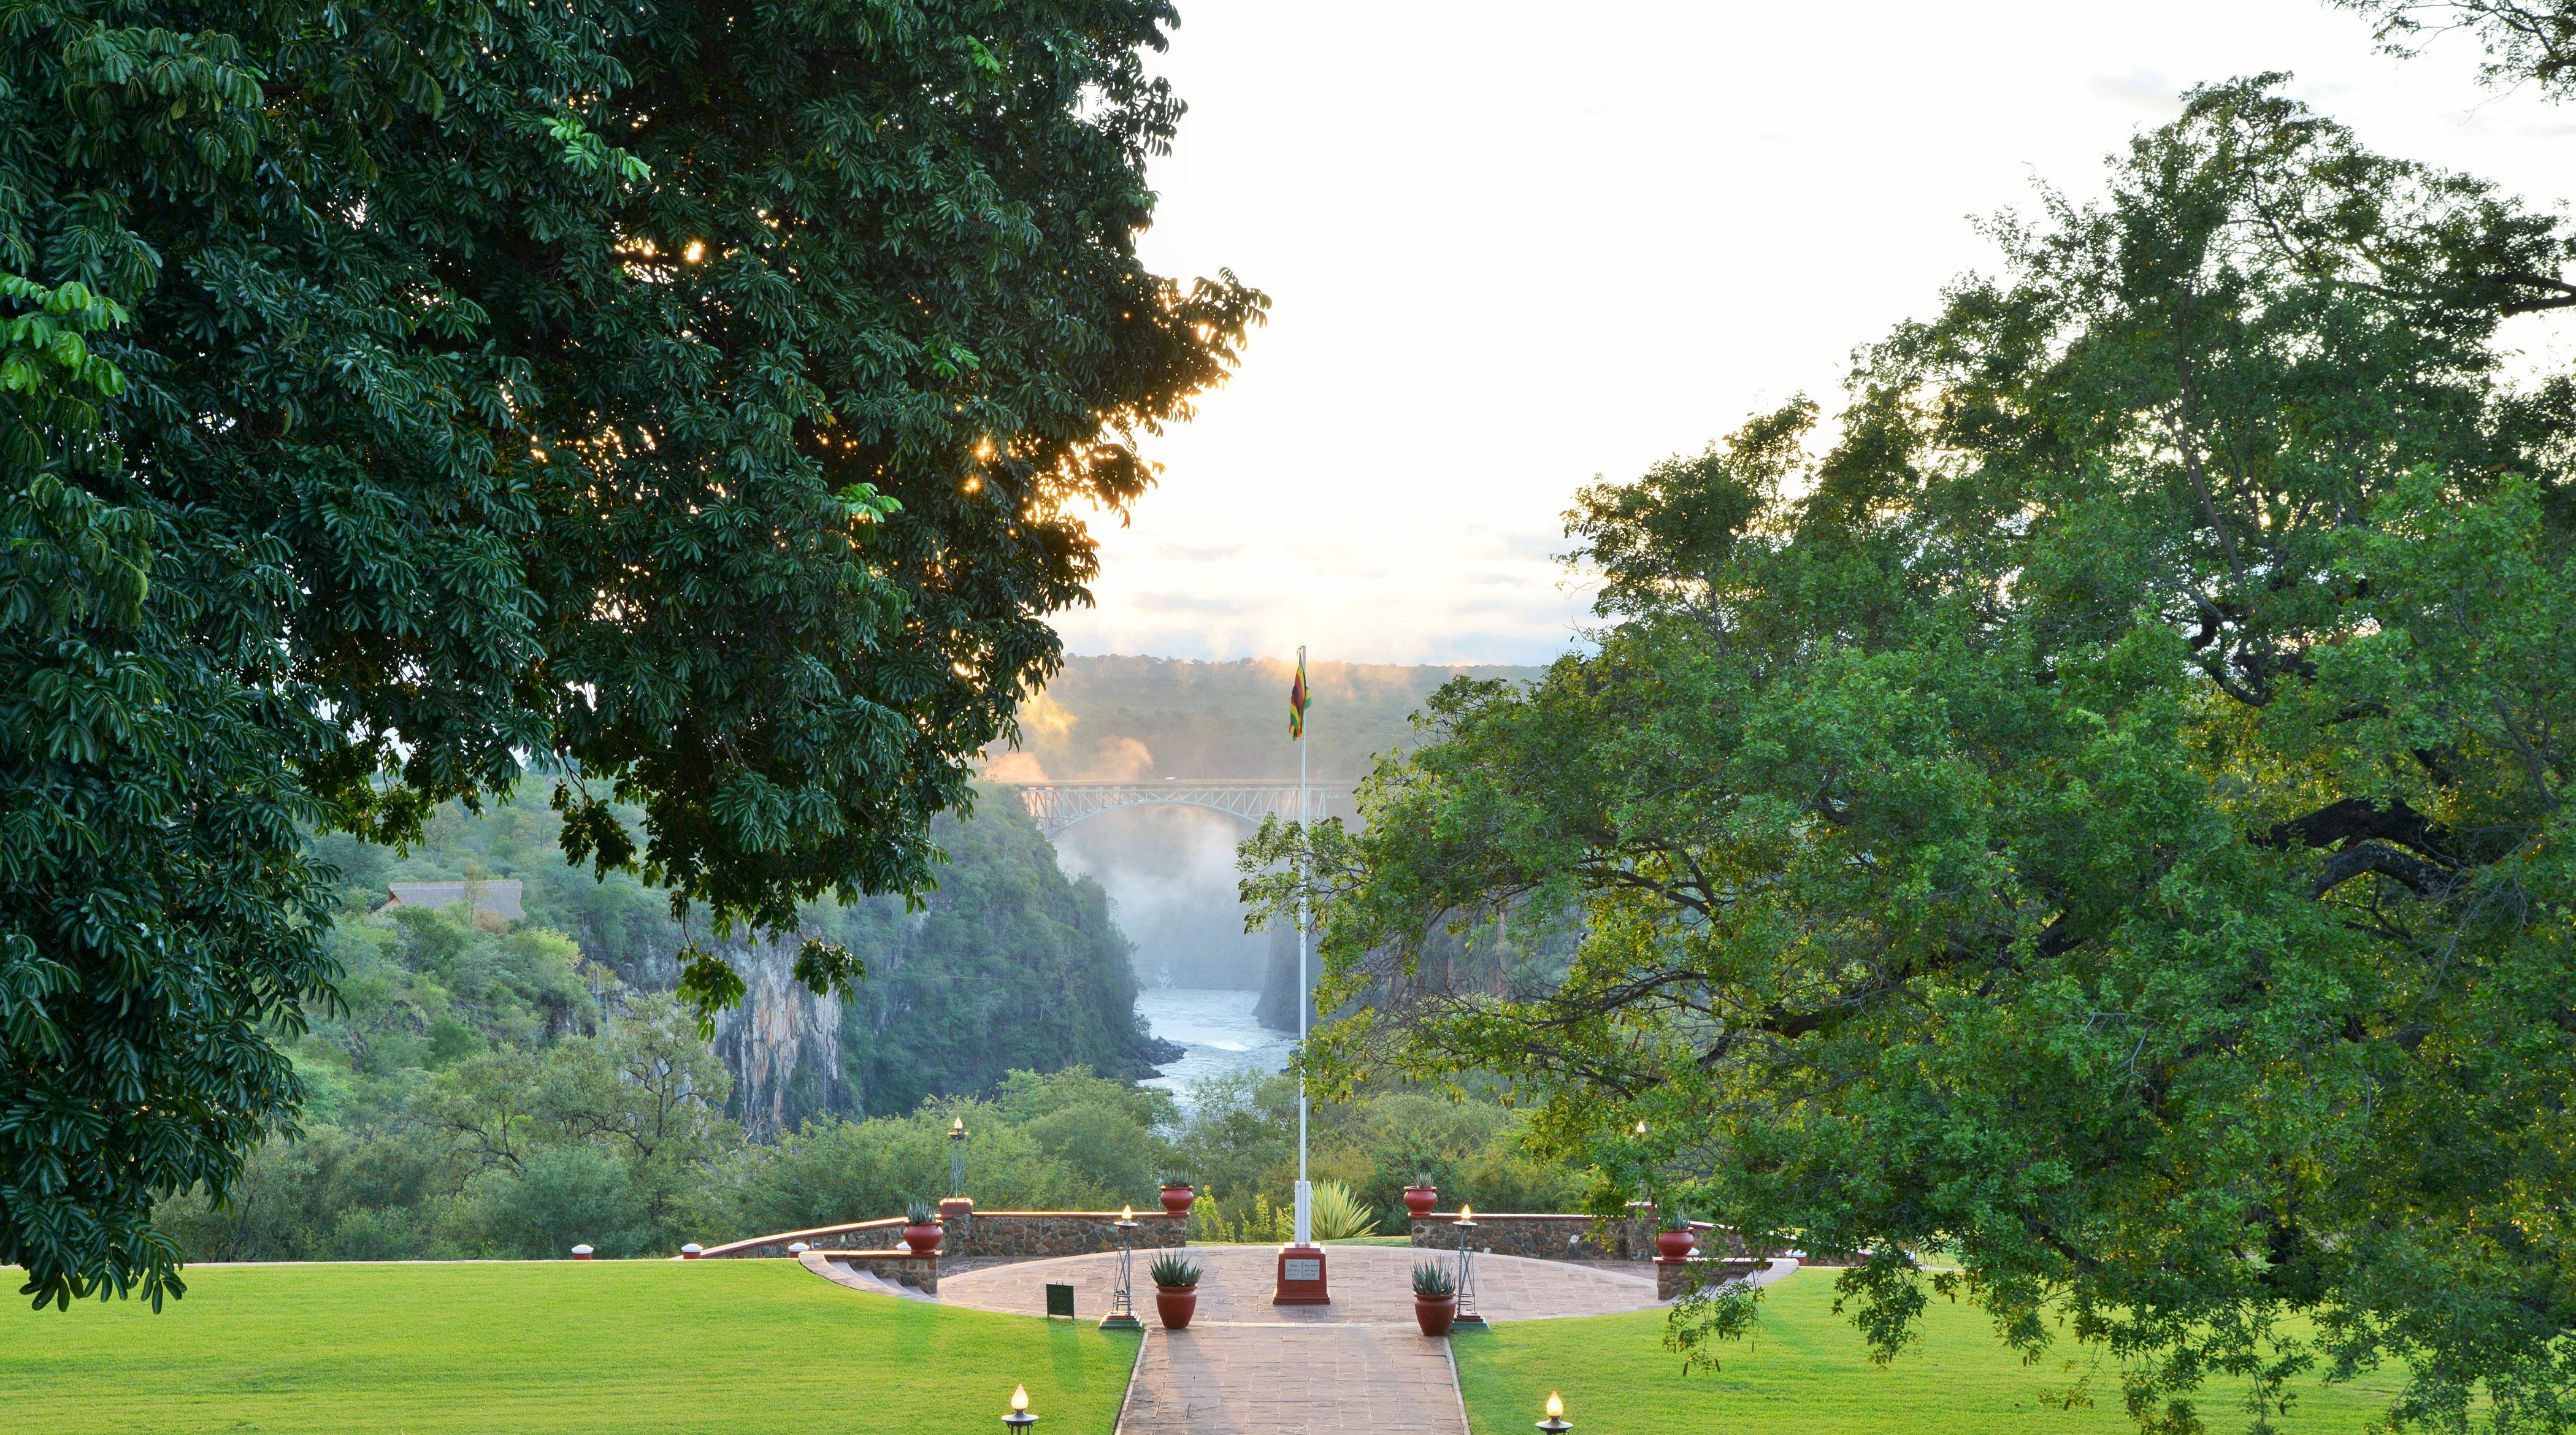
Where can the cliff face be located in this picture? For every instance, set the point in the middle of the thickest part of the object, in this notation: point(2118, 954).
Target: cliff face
point(783, 1045)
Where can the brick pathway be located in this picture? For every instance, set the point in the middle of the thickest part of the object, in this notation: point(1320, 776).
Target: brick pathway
point(1372, 1285)
point(1247, 1367)
point(1292, 1380)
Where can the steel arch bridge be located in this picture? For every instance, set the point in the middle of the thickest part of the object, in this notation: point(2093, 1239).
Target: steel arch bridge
point(1059, 805)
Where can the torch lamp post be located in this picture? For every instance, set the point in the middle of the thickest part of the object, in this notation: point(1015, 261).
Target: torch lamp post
point(1019, 1420)
point(1466, 1228)
point(1555, 1423)
point(957, 1157)
point(1122, 1301)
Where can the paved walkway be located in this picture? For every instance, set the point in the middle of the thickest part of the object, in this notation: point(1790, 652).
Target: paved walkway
point(1372, 1286)
point(1247, 1367)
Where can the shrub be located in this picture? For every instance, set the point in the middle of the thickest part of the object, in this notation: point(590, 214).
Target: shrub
point(1338, 1214)
point(1433, 1281)
point(1173, 1272)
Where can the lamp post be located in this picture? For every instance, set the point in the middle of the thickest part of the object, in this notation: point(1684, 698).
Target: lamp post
point(1019, 1420)
point(957, 1157)
point(1122, 1301)
point(1466, 1227)
point(1555, 1423)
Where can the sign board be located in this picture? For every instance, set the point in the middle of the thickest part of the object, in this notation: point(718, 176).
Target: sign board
point(1295, 1269)
point(1059, 1299)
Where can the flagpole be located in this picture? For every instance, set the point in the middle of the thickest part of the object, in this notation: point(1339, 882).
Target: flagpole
point(1305, 1192)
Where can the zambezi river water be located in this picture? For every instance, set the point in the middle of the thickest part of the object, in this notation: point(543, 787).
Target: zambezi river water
point(1216, 1032)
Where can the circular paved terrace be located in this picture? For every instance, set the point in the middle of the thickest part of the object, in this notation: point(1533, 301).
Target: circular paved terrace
point(1371, 1285)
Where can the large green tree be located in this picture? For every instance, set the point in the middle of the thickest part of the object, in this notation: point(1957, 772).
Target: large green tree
point(690, 399)
point(2105, 819)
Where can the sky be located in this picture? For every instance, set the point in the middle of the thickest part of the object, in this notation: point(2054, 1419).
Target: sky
point(1512, 247)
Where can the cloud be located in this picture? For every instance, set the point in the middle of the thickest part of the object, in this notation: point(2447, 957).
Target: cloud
point(2146, 91)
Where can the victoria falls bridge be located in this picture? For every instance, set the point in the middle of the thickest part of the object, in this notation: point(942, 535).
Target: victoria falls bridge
point(1059, 805)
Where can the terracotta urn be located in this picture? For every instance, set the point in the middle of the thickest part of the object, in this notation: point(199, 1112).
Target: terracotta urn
point(1176, 1202)
point(1435, 1313)
point(1675, 1245)
point(1420, 1199)
point(923, 1239)
point(1176, 1304)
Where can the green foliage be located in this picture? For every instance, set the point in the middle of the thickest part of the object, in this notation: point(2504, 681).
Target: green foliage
point(2107, 812)
point(1338, 1215)
point(549, 1348)
point(1434, 1281)
point(1248, 1219)
point(1069, 1140)
point(920, 1212)
point(693, 399)
point(1174, 1272)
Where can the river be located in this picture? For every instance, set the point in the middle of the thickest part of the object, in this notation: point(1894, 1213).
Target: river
point(1216, 1032)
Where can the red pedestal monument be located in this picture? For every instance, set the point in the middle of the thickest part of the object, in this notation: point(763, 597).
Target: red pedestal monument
point(1301, 1277)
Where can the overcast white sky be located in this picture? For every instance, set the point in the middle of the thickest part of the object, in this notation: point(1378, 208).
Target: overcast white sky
point(1511, 246)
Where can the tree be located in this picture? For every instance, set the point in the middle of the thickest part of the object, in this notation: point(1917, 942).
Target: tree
point(689, 398)
point(2524, 40)
point(2105, 819)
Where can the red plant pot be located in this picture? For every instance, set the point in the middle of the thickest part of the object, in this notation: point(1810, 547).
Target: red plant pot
point(1675, 1245)
point(1435, 1315)
point(922, 1239)
point(1420, 1199)
point(1176, 1202)
point(1176, 1305)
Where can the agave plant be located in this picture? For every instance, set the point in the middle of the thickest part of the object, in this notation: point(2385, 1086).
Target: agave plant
point(1173, 1179)
point(1339, 1215)
point(1674, 1218)
point(1433, 1281)
point(1173, 1273)
point(920, 1213)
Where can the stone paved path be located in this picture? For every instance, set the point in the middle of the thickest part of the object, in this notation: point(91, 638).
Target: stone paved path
point(1372, 1285)
point(1292, 1380)
point(1247, 1367)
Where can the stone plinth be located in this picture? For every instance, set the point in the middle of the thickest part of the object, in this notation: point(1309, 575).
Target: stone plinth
point(1679, 1278)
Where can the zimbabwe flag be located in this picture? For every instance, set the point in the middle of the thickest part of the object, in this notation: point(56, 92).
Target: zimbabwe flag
point(1297, 698)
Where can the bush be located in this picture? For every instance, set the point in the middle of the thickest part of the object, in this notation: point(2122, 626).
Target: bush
point(1338, 1214)
point(571, 1195)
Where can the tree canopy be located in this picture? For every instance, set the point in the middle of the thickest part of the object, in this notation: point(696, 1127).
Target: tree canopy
point(689, 399)
point(2098, 813)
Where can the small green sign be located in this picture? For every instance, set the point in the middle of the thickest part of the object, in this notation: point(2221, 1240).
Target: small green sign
point(1059, 1299)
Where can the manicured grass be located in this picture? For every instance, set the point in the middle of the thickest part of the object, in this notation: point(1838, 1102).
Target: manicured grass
point(1806, 1372)
point(538, 1348)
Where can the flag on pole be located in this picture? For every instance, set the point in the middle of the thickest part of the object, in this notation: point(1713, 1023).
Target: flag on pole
point(1297, 699)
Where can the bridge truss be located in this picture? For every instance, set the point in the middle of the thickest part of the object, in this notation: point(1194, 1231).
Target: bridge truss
point(1059, 805)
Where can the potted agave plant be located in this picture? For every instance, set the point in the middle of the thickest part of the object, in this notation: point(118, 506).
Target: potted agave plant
point(1176, 1290)
point(1674, 1238)
point(1435, 1297)
point(920, 1228)
point(1177, 1193)
point(1421, 1196)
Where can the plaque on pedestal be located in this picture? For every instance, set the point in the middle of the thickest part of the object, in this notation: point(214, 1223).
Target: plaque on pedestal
point(1301, 1277)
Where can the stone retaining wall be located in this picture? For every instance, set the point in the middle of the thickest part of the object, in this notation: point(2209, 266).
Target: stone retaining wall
point(855, 1236)
point(1680, 1278)
point(902, 1267)
point(1035, 1235)
point(982, 1235)
point(1546, 1237)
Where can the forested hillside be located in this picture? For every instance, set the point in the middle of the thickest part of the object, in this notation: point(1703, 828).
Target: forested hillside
point(1008, 965)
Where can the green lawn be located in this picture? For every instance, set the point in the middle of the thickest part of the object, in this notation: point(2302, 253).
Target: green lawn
point(1805, 1372)
point(542, 1347)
